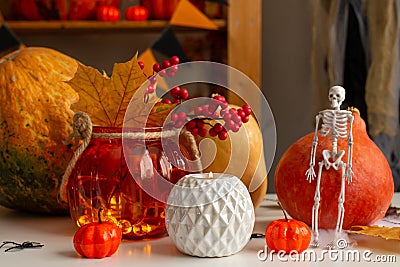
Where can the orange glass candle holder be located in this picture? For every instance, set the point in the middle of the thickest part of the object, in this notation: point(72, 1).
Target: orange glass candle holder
point(111, 174)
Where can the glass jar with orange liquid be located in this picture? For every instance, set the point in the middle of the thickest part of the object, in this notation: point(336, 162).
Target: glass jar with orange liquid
point(122, 176)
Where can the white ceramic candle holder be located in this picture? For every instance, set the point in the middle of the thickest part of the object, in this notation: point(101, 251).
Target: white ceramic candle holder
point(209, 217)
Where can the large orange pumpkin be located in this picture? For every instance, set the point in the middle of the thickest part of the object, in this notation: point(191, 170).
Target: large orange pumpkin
point(242, 155)
point(35, 120)
point(367, 197)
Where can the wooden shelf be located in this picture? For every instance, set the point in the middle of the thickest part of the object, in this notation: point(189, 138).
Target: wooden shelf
point(95, 26)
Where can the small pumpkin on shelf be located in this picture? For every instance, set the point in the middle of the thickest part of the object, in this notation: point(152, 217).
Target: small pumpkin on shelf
point(97, 239)
point(287, 235)
point(108, 13)
point(136, 13)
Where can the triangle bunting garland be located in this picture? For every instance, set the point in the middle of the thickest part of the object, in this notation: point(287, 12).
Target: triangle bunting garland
point(187, 15)
point(9, 41)
point(149, 60)
point(169, 45)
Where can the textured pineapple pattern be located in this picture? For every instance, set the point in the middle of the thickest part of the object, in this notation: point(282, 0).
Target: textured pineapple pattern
point(210, 217)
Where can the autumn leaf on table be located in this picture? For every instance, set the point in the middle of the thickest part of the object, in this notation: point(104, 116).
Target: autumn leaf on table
point(105, 99)
point(380, 231)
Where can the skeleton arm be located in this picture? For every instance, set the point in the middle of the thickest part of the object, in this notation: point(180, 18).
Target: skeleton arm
point(349, 171)
point(310, 173)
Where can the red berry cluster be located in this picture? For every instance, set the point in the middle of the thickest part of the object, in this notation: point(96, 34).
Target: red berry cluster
point(218, 130)
point(234, 118)
point(164, 68)
point(196, 127)
point(179, 119)
point(178, 94)
point(244, 113)
point(217, 108)
point(151, 88)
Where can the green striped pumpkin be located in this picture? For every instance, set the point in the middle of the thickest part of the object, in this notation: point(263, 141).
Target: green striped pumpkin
point(35, 119)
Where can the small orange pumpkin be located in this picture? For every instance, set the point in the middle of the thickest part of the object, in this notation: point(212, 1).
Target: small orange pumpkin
point(287, 235)
point(97, 239)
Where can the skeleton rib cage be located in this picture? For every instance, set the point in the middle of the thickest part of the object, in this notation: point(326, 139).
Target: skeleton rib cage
point(334, 123)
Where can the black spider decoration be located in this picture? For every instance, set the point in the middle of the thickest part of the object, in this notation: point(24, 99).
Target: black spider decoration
point(393, 211)
point(392, 215)
point(257, 235)
point(15, 245)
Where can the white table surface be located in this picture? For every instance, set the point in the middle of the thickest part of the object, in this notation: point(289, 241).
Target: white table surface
point(56, 234)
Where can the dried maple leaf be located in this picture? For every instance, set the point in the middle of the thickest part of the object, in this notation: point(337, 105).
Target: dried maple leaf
point(105, 99)
point(159, 114)
point(385, 232)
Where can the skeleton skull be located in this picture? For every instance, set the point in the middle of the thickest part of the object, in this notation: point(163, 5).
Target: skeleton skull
point(336, 96)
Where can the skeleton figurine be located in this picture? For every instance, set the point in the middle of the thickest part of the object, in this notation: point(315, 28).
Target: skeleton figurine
point(334, 125)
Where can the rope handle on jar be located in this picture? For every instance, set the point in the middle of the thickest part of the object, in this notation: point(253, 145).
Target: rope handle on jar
point(82, 130)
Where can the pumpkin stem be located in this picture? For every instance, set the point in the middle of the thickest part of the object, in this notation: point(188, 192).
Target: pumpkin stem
point(354, 110)
point(283, 210)
point(99, 215)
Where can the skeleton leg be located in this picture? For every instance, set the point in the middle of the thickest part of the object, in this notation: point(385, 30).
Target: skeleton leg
point(340, 217)
point(315, 209)
point(341, 199)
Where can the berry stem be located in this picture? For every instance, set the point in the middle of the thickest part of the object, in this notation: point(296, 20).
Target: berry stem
point(204, 119)
point(207, 123)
